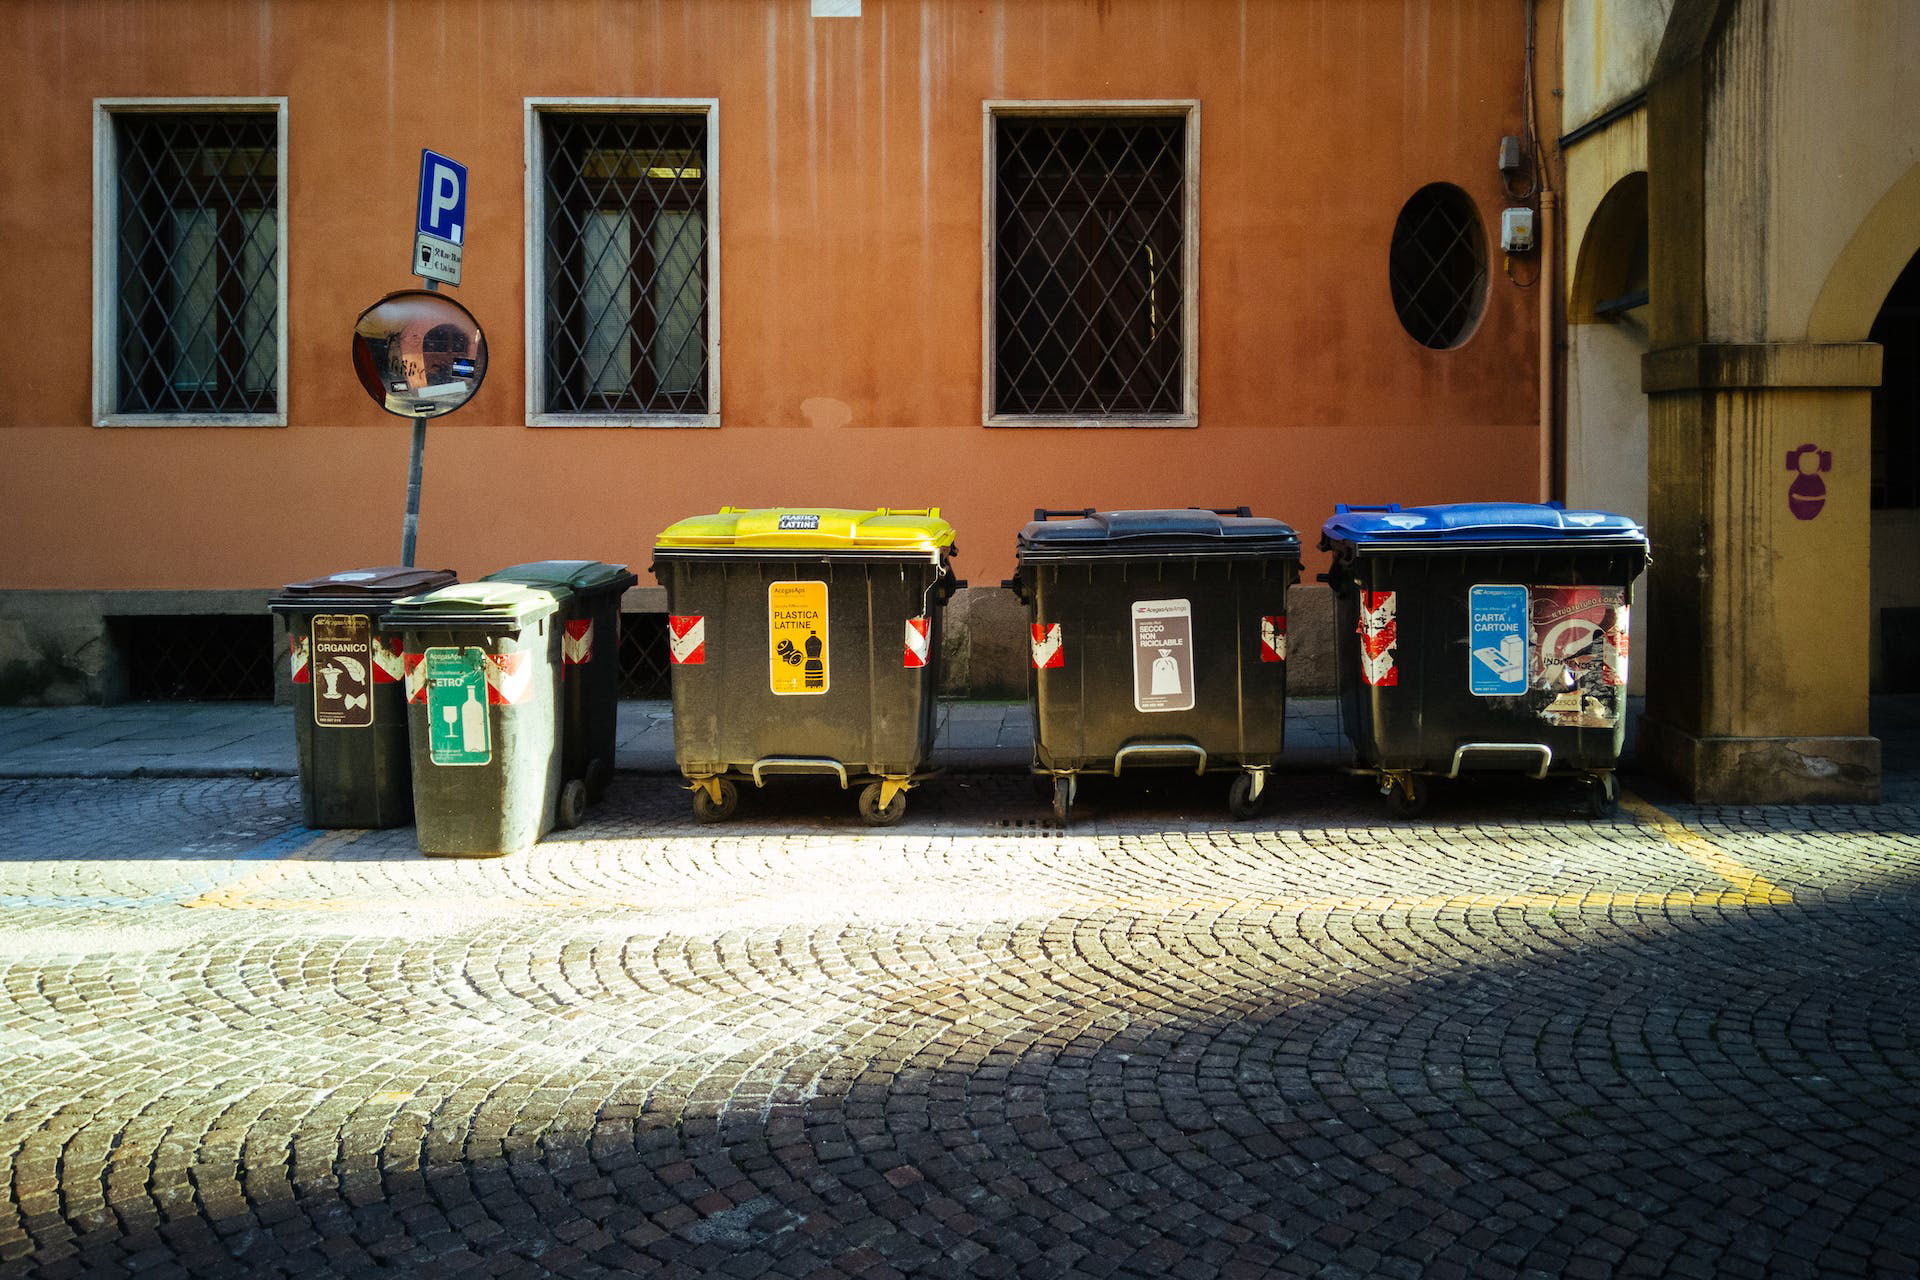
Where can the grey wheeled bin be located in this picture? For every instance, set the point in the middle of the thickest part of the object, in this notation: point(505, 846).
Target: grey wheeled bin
point(805, 641)
point(349, 711)
point(1482, 637)
point(1159, 640)
point(589, 593)
point(483, 711)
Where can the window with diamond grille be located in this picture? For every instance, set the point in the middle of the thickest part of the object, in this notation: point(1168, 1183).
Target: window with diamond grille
point(625, 225)
point(1437, 266)
point(1090, 267)
point(197, 263)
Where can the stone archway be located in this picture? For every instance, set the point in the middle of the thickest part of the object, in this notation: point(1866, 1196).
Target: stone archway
point(1607, 338)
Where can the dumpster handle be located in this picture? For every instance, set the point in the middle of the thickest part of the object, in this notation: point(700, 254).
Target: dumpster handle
point(799, 764)
point(1245, 513)
point(1503, 748)
point(1043, 513)
point(1342, 508)
point(1160, 749)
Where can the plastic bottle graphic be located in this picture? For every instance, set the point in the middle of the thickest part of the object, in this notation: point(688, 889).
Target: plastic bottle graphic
point(473, 723)
point(815, 671)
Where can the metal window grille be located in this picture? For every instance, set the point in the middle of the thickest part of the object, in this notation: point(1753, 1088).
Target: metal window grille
point(643, 656)
point(213, 658)
point(626, 263)
point(1089, 273)
point(1437, 266)
point(197, 226)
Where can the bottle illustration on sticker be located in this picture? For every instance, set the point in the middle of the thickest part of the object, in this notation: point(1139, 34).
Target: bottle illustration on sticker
point(458, 730)
point(1162, 655)
point(799, 657)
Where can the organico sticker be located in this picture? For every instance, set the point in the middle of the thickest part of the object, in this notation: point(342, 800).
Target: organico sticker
point(458, 728)
point(342, 670)
point(1578, 637)
point(1162, 655)
point(1497, 641)
point(797, 637)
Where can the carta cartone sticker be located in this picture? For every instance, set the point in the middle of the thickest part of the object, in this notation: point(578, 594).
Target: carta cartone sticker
point(1497, 641)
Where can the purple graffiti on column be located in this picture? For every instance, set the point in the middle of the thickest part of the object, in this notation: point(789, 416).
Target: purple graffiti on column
point(1808, 492)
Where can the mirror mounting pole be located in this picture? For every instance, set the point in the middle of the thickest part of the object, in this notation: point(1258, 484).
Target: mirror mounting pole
point(410, 531)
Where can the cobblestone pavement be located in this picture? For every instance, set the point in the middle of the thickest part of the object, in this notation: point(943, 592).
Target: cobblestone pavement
point(1505, 1041)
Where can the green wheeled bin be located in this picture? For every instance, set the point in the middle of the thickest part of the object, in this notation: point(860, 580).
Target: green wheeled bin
point(349, 708)
point(805, 641)
point(1483, 637)
point(589, 593)
point(1159, 640)
point(482, 666)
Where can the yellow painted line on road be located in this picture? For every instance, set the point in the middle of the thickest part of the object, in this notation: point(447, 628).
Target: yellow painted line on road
point(239, 894)
point(1751, 884)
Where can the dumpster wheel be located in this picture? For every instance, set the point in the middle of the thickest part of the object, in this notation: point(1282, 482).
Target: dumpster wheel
point(1407, 793)
point(572, 805)
point(1603, 794)
point(1248, 794)
point(878, 807)
point(1065, 788)
point(714, 799)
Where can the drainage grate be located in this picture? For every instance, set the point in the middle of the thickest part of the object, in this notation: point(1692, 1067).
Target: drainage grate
point(205, 658)
point(643, 656)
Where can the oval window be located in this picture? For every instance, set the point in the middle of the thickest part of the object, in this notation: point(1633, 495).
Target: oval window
point(1438, 266)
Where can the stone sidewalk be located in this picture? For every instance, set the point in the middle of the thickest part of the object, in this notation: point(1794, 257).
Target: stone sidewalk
point(256, 739)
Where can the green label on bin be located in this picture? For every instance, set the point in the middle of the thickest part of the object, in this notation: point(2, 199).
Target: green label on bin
point(458, 728)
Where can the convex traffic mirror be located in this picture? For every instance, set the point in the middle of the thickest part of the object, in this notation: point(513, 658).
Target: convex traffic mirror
point(419, 354)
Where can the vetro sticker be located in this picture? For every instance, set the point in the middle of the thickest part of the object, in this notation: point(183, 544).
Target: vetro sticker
point(459, 730)
point(797, 660)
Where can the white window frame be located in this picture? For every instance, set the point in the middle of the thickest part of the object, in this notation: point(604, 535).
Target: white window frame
point(1189, 110)
point(106, 262)
point(536, 260)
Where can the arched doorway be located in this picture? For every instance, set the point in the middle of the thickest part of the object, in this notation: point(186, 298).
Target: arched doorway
point(1895, 490)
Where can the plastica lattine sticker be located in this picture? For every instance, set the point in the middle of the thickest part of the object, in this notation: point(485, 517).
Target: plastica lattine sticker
point(797, 659)
point(1162, 655)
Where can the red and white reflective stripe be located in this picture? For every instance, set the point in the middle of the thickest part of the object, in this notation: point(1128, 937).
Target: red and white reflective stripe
point(300, 657)
point(416, 675)
point(1379, 634)
point(1049, 646)
point(509, 677)
point(917, 632)
point(1273, 639)
point(1614, 651)
point(388, 666)
point(686, 639)
point(576, 646)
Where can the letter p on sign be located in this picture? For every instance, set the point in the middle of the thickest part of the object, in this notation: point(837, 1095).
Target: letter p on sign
point(443, 197)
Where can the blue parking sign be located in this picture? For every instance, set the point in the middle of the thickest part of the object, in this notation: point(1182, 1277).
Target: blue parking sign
point(1497, 641)
point(443, 197)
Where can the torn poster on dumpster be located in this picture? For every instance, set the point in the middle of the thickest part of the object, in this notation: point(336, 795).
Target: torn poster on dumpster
point(1579, 654)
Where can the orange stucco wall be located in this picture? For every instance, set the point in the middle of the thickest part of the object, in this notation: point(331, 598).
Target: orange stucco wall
point(850, 260)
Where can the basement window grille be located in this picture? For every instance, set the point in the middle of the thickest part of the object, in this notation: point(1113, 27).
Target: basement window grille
point(205, 658)
point(1437, 266)
point(1090, 271)
point(643, 656)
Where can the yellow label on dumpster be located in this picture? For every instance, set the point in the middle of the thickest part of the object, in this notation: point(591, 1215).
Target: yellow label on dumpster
point(797, 637)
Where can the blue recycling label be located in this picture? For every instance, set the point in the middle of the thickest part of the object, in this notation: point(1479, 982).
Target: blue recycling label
point(1497, 641)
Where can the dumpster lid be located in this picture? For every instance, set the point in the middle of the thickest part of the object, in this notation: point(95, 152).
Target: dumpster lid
point(386, 582)
point(579, 577)
point(1469, 524)
point(1169, 531)
point(885, 530)
point(503, 605)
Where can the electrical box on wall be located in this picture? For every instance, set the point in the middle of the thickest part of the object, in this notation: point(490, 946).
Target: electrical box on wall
point(1516, 230)
point(1509, 154)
